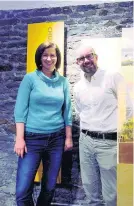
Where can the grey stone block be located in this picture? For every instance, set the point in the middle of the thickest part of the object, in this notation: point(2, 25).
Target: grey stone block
point(125, 4)
point(57, 10)
point(125, 21)
point(7, 67)
point(12, 21)
point(103, 12)
point(86, 7)
point(67, 10)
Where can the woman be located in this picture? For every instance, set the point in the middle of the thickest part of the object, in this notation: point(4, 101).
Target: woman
point(43, 126)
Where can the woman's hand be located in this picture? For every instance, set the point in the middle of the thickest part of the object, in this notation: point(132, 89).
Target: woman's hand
point(68, 143)
point(20, 147)
point(68, 140)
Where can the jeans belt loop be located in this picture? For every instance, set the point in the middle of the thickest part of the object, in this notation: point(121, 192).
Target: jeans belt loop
point(103, 136)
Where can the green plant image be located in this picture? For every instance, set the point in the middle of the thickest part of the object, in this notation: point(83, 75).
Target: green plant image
point(126, 133)
point(127, 62)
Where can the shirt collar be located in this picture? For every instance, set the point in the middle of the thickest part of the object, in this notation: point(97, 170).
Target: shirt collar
point(94, 77)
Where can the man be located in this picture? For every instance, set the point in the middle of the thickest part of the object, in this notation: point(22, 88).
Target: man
point(96, 102)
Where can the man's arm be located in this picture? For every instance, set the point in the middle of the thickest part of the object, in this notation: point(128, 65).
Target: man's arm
point(121, 91)
point(76, 101)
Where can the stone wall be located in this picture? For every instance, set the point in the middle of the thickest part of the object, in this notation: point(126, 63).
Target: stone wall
point(99, 20)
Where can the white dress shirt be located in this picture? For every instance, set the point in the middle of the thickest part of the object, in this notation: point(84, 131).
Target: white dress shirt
point(96, 101)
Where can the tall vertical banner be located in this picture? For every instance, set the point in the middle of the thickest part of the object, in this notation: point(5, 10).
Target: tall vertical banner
point(37, 34)
point(41, 32)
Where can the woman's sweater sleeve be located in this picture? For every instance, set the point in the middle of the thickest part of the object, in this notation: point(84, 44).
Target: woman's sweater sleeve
point(22, 101)
point(67, 108)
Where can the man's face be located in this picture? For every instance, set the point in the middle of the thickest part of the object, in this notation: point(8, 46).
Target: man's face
point(87, 60)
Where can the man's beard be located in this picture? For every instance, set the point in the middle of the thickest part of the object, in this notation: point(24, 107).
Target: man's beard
point(89, 69)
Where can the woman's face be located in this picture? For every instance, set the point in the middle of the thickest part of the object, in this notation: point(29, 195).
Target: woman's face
point(49, 59)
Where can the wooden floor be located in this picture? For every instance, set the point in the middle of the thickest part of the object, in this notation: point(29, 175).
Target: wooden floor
point(125, 185)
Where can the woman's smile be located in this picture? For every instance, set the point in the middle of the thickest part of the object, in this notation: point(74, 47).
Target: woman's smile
point(49, 59)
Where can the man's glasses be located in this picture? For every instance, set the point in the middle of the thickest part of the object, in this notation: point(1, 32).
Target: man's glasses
point(88, 57)
point(45, 57)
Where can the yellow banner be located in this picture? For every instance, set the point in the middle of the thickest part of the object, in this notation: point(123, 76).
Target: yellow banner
point(37, 34)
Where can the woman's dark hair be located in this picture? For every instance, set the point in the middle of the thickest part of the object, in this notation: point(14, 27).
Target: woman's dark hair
point(39, 51)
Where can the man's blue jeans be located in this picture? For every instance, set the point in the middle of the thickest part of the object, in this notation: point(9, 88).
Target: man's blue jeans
point(48, 148)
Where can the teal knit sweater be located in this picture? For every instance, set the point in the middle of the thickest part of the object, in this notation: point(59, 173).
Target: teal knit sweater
point(43, 104)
